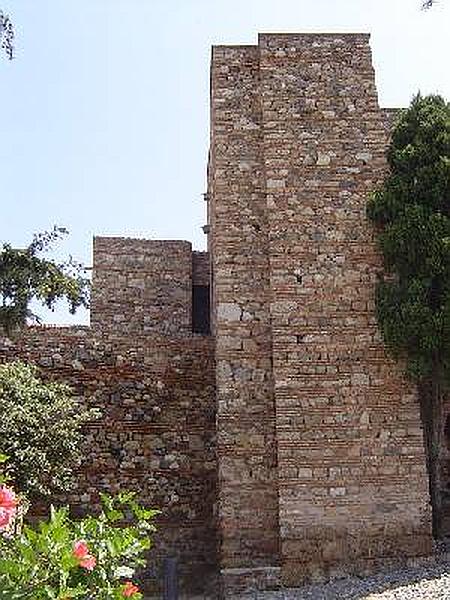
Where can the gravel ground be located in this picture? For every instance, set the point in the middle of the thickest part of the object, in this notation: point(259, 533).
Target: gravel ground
point(429, 582)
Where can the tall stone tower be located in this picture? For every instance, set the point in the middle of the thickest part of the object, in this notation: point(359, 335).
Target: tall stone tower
point(320, 451)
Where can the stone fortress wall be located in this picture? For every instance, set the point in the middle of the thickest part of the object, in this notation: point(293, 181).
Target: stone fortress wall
point(280, 439)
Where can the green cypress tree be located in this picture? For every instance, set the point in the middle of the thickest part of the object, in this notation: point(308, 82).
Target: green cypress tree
point(412, 214)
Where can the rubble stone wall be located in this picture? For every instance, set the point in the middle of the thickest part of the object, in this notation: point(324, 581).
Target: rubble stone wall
point(288, 446)
point(142, 286)
point(156, 434)
point(444, 465)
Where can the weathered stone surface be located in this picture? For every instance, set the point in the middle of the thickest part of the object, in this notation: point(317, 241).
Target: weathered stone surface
point(346, 469)
point(142, 286)
point(248, 497)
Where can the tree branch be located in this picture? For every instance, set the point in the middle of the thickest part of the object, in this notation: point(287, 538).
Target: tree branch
point(6, 35)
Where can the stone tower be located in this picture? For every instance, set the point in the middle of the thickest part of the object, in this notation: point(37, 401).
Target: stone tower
point(320, 452)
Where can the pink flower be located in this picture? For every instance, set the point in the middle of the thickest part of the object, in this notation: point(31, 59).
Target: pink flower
point(8, 498)
point(82, 554)
point(129, 589)
point(8, 504)
point(80, 549)
point(88, 562)
point(6, 516)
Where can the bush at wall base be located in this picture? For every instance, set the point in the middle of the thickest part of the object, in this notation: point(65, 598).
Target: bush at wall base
point(91, 559)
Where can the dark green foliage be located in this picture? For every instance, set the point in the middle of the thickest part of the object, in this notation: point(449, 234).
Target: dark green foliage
point(412, 212)
point(25, 275)
point(40, 430)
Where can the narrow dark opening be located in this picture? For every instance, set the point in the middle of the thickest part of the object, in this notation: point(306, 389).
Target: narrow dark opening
point(200, 309)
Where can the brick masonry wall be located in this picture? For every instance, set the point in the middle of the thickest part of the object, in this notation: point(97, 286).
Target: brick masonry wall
point(248, 498)
point(142, 286)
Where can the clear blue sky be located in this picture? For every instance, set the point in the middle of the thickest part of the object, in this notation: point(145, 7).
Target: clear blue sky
point(104, 112)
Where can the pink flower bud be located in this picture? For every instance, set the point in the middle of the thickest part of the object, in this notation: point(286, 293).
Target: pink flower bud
point(129, 589)
point(81, 553)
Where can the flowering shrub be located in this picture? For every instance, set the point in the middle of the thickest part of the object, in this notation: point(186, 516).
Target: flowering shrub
point(91, 559)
